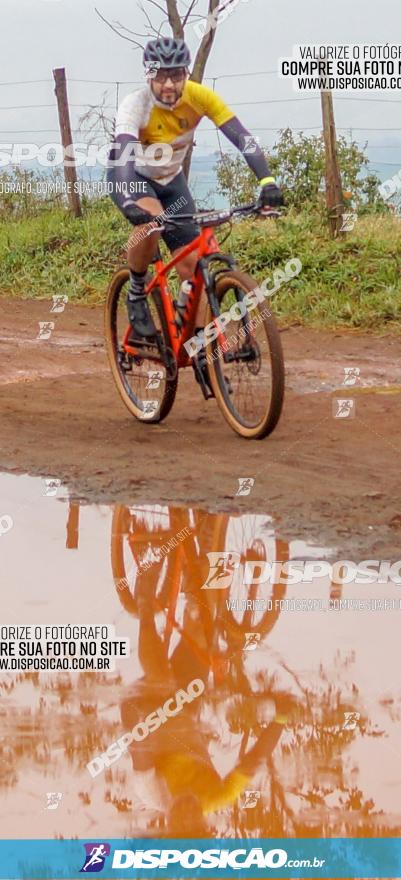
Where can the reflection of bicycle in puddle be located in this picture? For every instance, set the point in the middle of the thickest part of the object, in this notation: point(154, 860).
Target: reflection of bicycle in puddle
point(181, 575)
point(201, 577)
point(201, 616)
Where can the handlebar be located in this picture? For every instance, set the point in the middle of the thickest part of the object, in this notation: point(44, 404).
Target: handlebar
point(217, 218)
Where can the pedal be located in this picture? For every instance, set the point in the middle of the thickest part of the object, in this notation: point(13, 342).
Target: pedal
point(207, 393)
point(125, 360)
point(145, 346)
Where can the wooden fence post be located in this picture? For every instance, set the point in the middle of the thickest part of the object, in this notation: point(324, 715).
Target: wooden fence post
point(70, 173)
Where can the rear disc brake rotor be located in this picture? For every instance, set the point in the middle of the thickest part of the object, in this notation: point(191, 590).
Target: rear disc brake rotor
point(254, 365)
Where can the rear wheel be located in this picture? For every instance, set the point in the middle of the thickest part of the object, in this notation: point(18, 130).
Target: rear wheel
point(143, 381)
point(249, 381)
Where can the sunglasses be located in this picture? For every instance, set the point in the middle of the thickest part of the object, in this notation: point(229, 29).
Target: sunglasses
point(177, 75)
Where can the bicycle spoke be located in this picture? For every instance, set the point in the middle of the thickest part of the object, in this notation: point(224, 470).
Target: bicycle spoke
point(250, 391)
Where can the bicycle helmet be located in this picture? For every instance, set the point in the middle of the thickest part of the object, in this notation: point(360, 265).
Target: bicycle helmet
point(167, 52)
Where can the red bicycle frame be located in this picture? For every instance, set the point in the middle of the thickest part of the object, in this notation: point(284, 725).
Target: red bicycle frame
point(205, 244)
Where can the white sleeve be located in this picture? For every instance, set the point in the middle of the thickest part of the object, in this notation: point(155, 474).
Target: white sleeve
point(150, 791)
point(133, 113)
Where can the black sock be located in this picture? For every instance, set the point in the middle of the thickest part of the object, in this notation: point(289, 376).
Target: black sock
point(137, 284)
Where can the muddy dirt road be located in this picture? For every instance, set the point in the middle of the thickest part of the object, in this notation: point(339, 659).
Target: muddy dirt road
point(322, 478)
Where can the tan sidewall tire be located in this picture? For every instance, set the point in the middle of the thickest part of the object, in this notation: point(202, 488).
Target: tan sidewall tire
point(269, 422)
point(118, 280)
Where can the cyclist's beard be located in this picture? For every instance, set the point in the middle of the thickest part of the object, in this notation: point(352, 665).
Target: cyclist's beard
point(167, 98)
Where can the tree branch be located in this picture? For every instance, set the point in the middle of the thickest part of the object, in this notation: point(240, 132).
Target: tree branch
point(175, 19)
point(123, 37)
point(135, 33)
point(163, 10)
point(156, 30)
point(147, 16)
point(203, 52)
point(190, 8)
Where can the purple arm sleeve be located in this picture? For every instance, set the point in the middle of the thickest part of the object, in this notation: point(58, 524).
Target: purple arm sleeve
point(124, 173)
point(236, 134)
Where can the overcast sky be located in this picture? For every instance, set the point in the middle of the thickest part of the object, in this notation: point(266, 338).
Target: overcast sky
point(38, 35)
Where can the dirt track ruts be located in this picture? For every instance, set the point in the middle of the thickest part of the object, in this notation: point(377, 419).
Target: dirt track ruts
point(333, 481)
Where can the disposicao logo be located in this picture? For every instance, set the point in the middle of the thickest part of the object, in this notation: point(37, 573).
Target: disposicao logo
point(189, 859)
point(95, 856)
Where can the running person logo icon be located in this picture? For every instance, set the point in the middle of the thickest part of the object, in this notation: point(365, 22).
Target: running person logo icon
point(250, 799)
point(250, 144)
point(251, 641)
point(60, 301)
point(245, 485)
point(149, 407)
point(96, 854)
point(343, 408)
point(45, 329)
point(155, 377)
point(222, 567)
point(53, 799)
point(351, 375)
point(351, 720)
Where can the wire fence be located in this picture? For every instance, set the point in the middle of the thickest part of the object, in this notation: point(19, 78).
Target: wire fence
point(359, 134)
point(116, 84)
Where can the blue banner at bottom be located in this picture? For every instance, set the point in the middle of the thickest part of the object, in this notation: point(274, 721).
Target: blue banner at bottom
point(145, 857)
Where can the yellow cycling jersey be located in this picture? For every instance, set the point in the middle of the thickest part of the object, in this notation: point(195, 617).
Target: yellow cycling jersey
point(142, 116)
point(185, 773)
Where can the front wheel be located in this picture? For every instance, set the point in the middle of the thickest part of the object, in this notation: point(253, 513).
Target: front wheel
point(247, 371)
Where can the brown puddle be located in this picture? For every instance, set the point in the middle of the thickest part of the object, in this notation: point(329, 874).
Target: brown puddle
point(308, 376)
point(263, 750)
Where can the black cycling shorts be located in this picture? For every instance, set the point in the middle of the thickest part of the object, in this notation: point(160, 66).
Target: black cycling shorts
point(175, 199)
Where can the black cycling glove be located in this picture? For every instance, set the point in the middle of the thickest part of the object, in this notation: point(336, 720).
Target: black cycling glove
point(270, 194)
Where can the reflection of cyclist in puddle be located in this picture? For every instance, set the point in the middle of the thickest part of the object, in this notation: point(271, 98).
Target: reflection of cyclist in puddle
point(175, 757)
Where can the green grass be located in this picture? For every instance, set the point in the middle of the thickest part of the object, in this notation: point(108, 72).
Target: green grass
point(351, 283)
point(54, 253)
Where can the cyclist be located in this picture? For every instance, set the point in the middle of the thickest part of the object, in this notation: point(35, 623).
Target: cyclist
point(175, 761)
point(166, 111)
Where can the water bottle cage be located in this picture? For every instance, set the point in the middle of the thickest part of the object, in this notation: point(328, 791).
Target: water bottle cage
point(180, 319)
point(181, 310)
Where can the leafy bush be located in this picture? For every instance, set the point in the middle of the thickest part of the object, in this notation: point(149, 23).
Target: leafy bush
point(298, 163)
